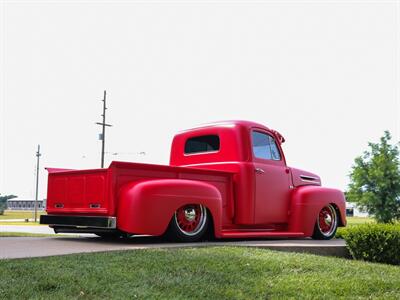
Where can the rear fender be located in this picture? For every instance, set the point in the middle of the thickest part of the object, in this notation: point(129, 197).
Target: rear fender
point(147, 207)
point(306, 203)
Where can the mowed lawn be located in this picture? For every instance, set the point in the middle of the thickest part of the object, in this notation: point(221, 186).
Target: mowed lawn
point(359, 220)
point(19, 214)
point(26, 234)
point(196, 273)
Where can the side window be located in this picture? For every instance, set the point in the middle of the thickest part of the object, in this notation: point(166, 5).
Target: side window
point(264, 146)
point(205, 143)
point(274, 149)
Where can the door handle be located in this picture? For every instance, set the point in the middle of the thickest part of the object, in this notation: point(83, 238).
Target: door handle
point(259, 171)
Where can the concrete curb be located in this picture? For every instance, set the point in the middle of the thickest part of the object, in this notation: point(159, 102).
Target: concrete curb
point(22, 247)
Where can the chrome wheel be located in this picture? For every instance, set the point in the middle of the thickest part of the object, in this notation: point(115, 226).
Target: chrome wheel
point(191, 219)
point(327, 221)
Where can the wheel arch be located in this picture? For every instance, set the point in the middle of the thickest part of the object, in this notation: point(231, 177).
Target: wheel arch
point(147, 207)
point(307, 201)
point(342, 219)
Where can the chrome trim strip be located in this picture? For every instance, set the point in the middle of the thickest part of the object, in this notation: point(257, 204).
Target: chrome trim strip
point(309, 178)
point(200, 153)
point(311, 181)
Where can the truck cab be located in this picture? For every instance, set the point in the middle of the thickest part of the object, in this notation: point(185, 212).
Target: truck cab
point(230, 178)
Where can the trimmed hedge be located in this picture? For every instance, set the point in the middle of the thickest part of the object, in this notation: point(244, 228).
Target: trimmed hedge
point(340, 232)
point(374, 242)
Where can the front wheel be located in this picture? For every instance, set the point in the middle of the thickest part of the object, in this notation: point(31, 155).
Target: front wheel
point(326, 223)
point(189, 223)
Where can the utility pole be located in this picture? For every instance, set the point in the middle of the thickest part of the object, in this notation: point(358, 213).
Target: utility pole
point(38, 154)
point(103, 134)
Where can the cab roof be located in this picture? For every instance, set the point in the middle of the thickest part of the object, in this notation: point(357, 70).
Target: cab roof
point(228, 123)
point(234, 123)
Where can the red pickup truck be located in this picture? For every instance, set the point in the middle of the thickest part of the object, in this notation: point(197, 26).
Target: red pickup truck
point(227, 179)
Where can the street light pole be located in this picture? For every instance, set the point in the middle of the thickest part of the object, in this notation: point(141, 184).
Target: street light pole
point(38, 154)
point(103, 134)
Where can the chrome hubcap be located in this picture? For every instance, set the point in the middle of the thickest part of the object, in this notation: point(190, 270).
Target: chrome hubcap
point(327, 220)
point(190, 214)
point(191, 219)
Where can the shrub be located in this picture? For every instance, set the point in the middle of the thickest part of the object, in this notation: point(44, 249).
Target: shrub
point(374, 242)
point(340, 232)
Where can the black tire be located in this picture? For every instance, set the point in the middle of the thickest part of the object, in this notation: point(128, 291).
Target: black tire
point(188, 224)
point(326, 224)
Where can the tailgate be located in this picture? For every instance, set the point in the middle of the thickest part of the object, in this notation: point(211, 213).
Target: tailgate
point(82, 192)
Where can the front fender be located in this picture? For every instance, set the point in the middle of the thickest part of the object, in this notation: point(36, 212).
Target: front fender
point(307, 201)
point(147, 207)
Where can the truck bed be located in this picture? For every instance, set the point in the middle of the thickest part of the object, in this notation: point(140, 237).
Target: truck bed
point(95, 192)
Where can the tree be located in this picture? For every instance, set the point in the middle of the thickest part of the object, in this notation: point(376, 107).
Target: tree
point(375, 181)
point(3, 202)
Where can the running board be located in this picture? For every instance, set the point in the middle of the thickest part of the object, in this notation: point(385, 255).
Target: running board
point(259, 234)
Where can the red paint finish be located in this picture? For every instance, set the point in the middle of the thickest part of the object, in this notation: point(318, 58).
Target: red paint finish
point(78, 192)
point(307, 202)
point(272, 194)
point(147, 207)
point(246, 193)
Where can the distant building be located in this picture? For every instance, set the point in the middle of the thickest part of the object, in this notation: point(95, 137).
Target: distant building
point(22, 204)
point(353, 211)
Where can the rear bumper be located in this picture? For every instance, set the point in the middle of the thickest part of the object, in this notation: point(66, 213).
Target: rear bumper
point(79, 221)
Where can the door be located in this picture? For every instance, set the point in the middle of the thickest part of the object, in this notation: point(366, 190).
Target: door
point(272, 180)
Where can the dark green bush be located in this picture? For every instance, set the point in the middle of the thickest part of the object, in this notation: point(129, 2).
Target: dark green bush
point(374, 242)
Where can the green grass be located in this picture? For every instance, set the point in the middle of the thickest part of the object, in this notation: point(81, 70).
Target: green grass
point(17, 234)
point(20, 214)
point(21, 223)
point(359, 220)
point(196, 273)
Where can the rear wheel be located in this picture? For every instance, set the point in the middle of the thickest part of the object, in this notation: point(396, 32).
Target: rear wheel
point(189, 223)
point(326, 223)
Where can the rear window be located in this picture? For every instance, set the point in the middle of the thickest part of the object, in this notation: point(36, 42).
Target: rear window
point(205, 143)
